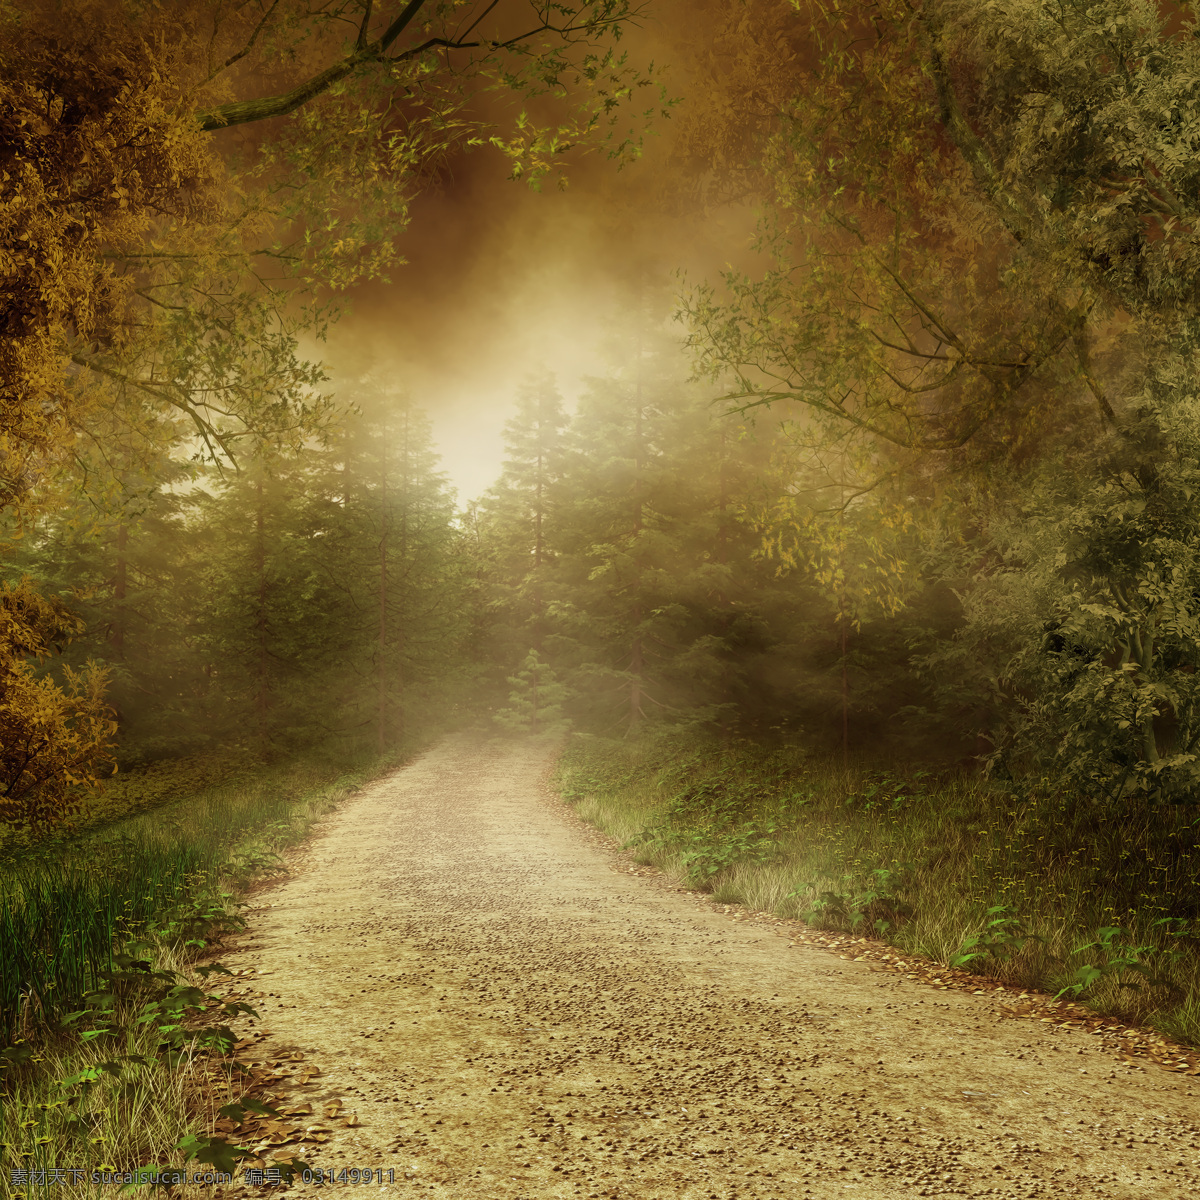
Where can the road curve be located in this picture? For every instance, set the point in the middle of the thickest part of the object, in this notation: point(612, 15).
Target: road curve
point(509, 1014)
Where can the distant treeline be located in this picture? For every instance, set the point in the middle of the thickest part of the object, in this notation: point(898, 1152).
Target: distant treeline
point(306, 598)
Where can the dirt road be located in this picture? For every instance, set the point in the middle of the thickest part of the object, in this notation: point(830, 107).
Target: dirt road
point(509, 1014)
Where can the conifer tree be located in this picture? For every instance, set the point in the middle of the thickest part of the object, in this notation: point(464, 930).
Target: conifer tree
point(518, 518)
point(386, 542)
point(115, 551)
point(657, 565)
point(535, 704)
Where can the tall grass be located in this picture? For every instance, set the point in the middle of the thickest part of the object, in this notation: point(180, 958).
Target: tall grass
point(164, 883)
point(65, 905)
point(1036, 887)
point(133, 1115)
point(61, 918)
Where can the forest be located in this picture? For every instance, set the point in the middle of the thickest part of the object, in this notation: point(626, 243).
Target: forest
point(856, 578)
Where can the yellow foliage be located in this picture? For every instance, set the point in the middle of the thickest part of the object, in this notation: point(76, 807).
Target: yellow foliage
point(855, 544)
point(52, 738)
point(92, 155)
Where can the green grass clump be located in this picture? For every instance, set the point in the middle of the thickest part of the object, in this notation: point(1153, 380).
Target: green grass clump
point(66, 905)
point(88, 1077)
point(1026, 884)
point(112, 1101)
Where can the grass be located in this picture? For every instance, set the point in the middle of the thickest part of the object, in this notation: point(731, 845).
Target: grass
point(1026, 885)
point(133, 1114)
point(122, 795)
point(120, 1086)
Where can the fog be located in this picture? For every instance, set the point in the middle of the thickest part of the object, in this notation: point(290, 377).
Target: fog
point(501, 280)
point(902, 653)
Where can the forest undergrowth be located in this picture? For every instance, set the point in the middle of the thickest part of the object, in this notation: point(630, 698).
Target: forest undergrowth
point(115, 1050)
point(1021, 883)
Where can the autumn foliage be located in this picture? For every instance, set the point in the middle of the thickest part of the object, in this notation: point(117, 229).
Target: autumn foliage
point(91, 156)
point(52, 738)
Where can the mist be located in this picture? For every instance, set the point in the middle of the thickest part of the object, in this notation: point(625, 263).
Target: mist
point(498, 500)
point(499, 279)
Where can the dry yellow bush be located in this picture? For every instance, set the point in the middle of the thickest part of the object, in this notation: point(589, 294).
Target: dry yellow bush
point(52, 737)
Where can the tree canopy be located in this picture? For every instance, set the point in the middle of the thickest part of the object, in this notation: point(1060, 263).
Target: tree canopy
point(982, 299)
point(148, 266)
point(971, 509)
point(186, 188)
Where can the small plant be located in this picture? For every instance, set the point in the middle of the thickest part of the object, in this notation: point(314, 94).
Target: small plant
point(883, 791)
point(1004, 936)
point(865, 898)
point(535, 705)
point(1119, 957)
point(708, 855)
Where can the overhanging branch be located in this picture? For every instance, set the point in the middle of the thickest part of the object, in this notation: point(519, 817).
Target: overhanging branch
point(242, 112)
point(1012, 212)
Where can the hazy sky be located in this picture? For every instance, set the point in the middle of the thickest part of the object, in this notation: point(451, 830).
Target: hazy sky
point(502, 280)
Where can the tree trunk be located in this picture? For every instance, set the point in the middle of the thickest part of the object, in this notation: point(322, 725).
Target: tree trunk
point(537, 552)
point(262, 682)
point(842, 622)
point(637, 659)
point(120, 584)
point(383, 599)
point(845, 690)
point(400, 557)
point(636, 669)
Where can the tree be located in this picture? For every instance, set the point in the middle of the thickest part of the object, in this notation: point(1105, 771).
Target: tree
point(141, 255)
point(329, 606)
point(128, 572)
point(519, 516)
point(1096, 177)
point(405, 510)
point(156, 278)
point(991, 270)
point(535, 704)
point(897, 311)
point(52, 737)
point(661, 609)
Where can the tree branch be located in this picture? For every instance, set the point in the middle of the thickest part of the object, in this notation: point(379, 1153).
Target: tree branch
point(242, 112)
point(475, 23)
point(207, 431)
point(1012, 214)
point(1083, 359)
point(362, 29)
point(233, 58)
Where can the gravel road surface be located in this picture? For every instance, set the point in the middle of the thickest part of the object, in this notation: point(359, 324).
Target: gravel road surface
point(497, 1008)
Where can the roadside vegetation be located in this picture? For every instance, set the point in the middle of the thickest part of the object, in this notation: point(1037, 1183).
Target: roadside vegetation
point(1022, 883)
point(114, 1008)
point(914, 484)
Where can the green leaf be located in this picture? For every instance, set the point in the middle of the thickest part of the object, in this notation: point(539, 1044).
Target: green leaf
point(16, 1056)
point(215, 1150)
point(237, 1110)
